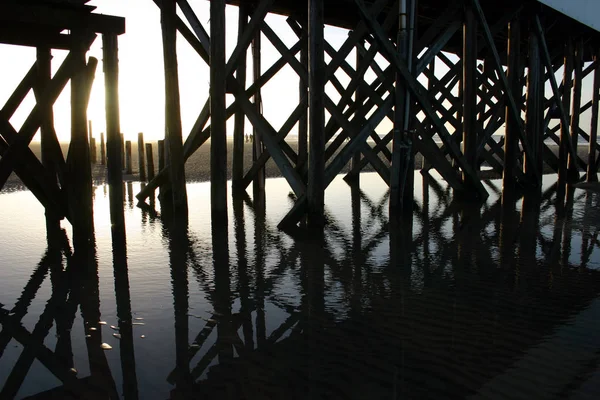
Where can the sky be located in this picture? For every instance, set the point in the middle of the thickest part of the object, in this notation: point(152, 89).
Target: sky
point(142, 81)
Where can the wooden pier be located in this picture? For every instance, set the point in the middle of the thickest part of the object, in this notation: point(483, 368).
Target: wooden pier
point(500, 76)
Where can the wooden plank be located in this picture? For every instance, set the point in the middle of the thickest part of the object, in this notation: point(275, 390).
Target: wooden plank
point(418, 92)
point(565, 139)
point(592, 175)
point(194, 22)
point(240, 118)
point(173, 110)
point(302, 165)
point(218, 105)
point(575, 113)
point(257, 145)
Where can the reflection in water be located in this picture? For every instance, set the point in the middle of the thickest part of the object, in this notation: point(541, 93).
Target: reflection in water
point(455, 300)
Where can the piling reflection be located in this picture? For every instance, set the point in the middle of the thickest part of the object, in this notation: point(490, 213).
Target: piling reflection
point(440, 303)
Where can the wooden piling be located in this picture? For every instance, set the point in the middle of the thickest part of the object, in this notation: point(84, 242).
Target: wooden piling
point(534, 118)
point(469, 83)
point(566, 100)
point(316, 118)
point(358, 99)
point(303, 121)
point(92, 143)
point(44, 74)
point(114, 138)
point(172, 109)
point(161, 155)
point(150, 161)
point(240, 117)
point(257, 146)
point(592, 170)
point(218, 143)
point(123, 150)
point(128, 169)
point(575, 113)
point(102, 149)
point(79, 168)
point(141, 162)
point(511, 136)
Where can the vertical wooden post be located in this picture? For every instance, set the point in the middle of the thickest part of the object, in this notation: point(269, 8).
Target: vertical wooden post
point(150, 161)
point(123, 150)
point(128, 169)
point(240, 117)
point(79, 168)
point(141, 163)
point(303, 121)
point(257, 146)
point(511, 137)
point(469, 83)
point(172, 109)
point(161, 155)
point(534, 119)
point(592, 174)
point(44, 64)
point(358, 99)
point(316, 118)
point(114, 150)
point(218, 117)
point(577, 85)
point(566, 99)
point(102, 149)
point(92, 142)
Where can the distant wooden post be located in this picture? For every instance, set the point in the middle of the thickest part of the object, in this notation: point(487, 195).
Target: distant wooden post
point(123, 150)
point(592, 171)
point(258, 185)
point(114, 152)
point(240, 117)
point(172, 108)
point(316, 118)
point(511, 143)
point(92, 143)
point(161, 155)
point(128, 169)
point(141, 161)
point(150, 161)
point(102, 149)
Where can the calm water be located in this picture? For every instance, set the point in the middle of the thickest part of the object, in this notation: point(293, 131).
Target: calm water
point(461, 301)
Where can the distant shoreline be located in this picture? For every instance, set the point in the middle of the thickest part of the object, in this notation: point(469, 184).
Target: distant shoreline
point(197, 167)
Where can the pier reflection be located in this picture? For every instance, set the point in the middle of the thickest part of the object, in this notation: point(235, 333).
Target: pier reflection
point(446, 302)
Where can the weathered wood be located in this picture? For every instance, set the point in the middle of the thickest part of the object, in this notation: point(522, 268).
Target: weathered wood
point(417, 91)
point(316, 117)
point(173, 110)
point(240, 118)
point(555, 90)
point(195, 24)
point(128, 166)
point(218, 142)
point(122, 150)
point(469, 84)
point(79, 189)
point(257, 145)
point(141, 163)
point(592, 175)
point(150, 161)
point(512, 127)
point(566, 105)
point(161, 155)
point(575, 113)
point(358, 99)
point(114, 160)
point(303, 122)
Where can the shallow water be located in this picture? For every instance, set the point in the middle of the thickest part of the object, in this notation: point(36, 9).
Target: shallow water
point(459, 301)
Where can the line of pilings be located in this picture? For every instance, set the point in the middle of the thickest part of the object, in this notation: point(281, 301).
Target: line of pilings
point(464, 108)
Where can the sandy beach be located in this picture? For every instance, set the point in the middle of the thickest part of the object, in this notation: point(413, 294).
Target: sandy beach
point(197, 167)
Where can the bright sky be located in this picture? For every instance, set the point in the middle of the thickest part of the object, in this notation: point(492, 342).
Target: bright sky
point(141, 73)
